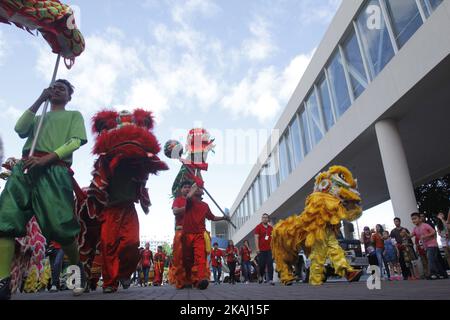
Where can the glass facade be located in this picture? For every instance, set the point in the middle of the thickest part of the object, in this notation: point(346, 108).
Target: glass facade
point(296, 142)
point(355, 65)
point(317, 130)
point(306, 138)
point(405, 19)
point(430, 5)
point(381, 28)
point(338, 83)
point(284, 159)
point(374, 35)
point(325, 101)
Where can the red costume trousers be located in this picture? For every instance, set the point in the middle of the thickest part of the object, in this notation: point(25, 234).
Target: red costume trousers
point(194, 257)
point(179, 274)
point(119, 243)
point(159, 273)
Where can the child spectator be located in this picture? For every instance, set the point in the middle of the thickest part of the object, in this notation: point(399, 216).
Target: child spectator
point(409, 255)
point(391, 255)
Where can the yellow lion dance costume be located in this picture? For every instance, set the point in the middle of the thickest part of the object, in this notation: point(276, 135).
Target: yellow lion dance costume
point(335, 198)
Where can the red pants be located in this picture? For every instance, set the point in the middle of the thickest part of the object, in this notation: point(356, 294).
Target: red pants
point(194, 257)
point(119, 244)
point(179, 274)
point(159, 273)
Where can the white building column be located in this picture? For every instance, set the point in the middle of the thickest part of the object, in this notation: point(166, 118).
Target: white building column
point(396, 170)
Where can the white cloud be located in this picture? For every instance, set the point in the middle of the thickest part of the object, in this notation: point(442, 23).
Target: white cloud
point(9, 112)
point(2, 48)
point(145, 94)
point(182, 13)
point(98, 71)
point(313, 12)
point(260, 46)
point(263, 94)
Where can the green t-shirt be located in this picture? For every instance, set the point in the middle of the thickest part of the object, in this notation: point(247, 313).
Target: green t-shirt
point(58, 128)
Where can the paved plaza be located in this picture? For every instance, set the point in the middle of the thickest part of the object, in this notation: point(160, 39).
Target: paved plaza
point(339, 290)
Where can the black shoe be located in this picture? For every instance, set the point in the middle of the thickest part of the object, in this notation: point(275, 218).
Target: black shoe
point(5, 289)
point(203, 284)
point(125, 283)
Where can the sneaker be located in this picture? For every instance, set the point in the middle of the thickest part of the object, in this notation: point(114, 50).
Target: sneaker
point(109, 290)
point(53, 289)
point(203, 284)
point(260, 281)
point(78, 291)
point(5, 288)
point(272, 283)
point(125, 283)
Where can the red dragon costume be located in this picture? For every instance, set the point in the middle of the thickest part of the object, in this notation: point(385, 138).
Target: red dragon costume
point(127, 154)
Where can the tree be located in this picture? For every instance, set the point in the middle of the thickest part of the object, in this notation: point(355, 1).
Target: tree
point(434, 197)
point(167, 248)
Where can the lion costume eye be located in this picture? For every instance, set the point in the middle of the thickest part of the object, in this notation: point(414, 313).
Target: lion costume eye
point(342, 176)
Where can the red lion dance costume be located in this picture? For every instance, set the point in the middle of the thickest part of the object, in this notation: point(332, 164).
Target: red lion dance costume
point(127, 151)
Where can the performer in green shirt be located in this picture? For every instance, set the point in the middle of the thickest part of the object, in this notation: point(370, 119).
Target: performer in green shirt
point(46, 190)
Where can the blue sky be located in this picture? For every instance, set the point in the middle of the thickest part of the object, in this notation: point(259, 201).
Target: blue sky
point(225, 65)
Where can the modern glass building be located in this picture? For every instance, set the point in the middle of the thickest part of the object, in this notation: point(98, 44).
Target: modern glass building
point(374, 98)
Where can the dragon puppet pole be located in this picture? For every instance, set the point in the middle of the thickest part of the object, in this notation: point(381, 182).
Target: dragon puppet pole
point(210, 196)
point(41, 120)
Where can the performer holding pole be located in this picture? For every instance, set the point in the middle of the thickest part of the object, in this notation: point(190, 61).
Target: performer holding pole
point(194, 244)
point(47, 191)
point(179, 210)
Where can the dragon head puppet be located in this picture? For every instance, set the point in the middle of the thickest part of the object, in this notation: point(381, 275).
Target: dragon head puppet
point(338, 181)
point(127, 136)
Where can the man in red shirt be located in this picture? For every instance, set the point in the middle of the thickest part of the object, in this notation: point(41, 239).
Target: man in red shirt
point(159, 261)
point(263, 237)
point(194, 251)
point(216, 262)
point(179, 209)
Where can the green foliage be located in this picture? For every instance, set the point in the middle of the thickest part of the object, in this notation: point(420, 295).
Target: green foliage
point(434, 197)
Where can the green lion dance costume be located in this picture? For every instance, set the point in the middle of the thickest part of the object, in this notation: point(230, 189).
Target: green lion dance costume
point(335, 198)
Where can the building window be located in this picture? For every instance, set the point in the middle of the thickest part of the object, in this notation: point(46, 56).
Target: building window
point(265, 193)
point(338, 83)
point(317, 131)
point(250, 202)
point(355, 65)
point(306, 139)
point(257, 195)
point(273, 172)
point(430, 5)
point(296, 141)
point(375, 40)
point(284, 159)
point(325, 100)
point(406, 19)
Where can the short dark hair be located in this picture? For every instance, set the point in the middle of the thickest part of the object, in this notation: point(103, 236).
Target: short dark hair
point(186, 183)
point(215, 244)
point(265, 214)
point(69, 86)
point(415, 214)
point(397, 218)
